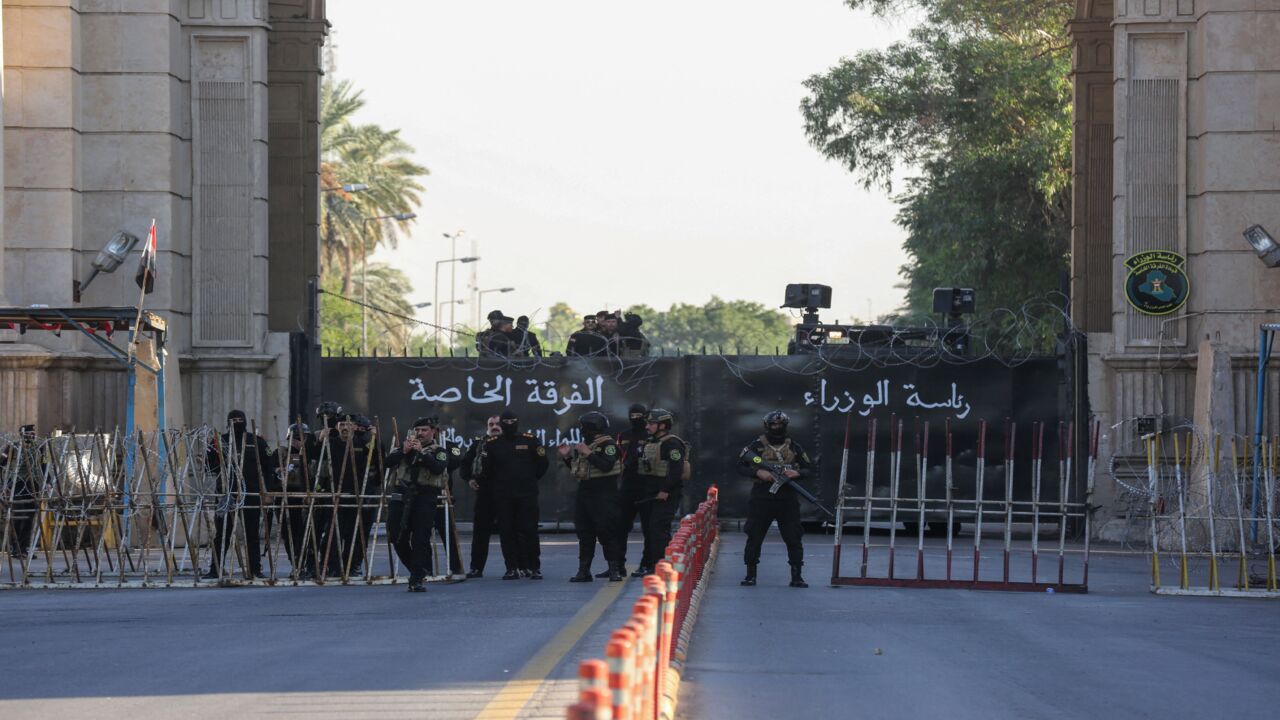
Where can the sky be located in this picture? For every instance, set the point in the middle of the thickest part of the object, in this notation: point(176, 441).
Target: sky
point(607, 154)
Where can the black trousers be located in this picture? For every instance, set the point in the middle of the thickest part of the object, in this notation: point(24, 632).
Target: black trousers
point(23, 523)
point(484, 522)
point(446, 532)
point(225, 530)
point(410, 533)
point(761, 513)
point(658, 535)
point(293, 529)
point(518, 526)
point(595, 519)
point(629, 508)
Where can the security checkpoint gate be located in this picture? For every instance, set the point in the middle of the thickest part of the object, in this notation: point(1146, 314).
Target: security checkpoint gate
point(1013, 497)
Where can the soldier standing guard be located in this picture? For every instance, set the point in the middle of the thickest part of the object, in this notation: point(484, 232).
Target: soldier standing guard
point(775, 449)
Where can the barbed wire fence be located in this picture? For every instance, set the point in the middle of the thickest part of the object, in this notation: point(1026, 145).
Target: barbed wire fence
point(106, 510)
point(1202, 505)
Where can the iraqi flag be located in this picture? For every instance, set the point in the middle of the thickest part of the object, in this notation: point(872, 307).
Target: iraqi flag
point(146, 275)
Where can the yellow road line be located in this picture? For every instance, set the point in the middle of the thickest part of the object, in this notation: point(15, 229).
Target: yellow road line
point(511, 699)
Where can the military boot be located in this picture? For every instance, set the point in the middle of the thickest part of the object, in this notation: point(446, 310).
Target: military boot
point(617, 573)
point(750, 579)
point(609, 571)
point(584, 572)
point(796, 580)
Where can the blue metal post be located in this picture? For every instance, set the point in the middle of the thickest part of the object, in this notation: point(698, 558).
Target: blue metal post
point(1265, 338)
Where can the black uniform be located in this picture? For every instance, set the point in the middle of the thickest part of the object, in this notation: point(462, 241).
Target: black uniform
point(293, 508)
point(514, 464)
point(484, 519)
point(357, 466)
point(632, 493)
point(595, 507)
point(525, 343)
point(411, 510)
point(662, 472)
point(585, 342)
point(495, 343)
point(764, 507)
point(257, 459)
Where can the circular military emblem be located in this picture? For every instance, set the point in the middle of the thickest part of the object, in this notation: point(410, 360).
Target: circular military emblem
point(541, 451)
point(675, 455)
point(610, 450)
point(1157, 282)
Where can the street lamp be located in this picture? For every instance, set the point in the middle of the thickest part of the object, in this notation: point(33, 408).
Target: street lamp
point(364, 275)
point(453, 269)
point(480, 298)
point(347, 188)
point(436, 297)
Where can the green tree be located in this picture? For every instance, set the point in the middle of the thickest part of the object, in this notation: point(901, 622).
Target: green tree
point(562, 321)
point(977, 103)
point(341, 318)
point(731, 326)
point(366, 154)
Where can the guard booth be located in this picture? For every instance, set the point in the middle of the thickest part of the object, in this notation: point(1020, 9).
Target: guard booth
point(141, 356)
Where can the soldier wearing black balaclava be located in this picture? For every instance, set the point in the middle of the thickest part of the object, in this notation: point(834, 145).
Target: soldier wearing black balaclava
point(777, 449)
point(631, 502)
point(241, 460)
point(514, 462)
point(594, 464)
point(295, 472)
point(484, 521)
point(357, 472)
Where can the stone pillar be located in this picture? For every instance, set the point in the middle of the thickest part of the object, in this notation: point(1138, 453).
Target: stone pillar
point(298, 30)
point(5, 335)
point(1092, 44)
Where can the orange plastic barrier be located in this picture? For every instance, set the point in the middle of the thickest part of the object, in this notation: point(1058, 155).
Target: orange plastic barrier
point(639, 678)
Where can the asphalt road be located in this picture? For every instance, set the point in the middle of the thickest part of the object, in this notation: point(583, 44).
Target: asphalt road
point(373, 651)
point(1119, 652)
point(494, 649)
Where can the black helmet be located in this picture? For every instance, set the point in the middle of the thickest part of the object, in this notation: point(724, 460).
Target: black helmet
point(595, 421)
point(428, 421)
point(360, 421)
point(659, 416)
point(299, 430)
point(777, 417)
point(328, 408)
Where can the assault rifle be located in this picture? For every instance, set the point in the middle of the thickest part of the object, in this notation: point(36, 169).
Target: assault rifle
point(780, 480)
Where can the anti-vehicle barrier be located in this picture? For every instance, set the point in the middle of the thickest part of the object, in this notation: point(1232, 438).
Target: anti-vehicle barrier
point(639, 679)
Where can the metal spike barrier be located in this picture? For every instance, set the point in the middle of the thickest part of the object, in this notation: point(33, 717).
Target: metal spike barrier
point(75, 513)
point(1033, 503)
point(1202, 514)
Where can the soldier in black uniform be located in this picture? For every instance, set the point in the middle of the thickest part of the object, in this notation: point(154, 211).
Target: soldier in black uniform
point(248, 459)
point(294, 475)
point(447, 527)
point(632, 494)
point(357, 469)
point(498, 340)
point(587, 341)
point(774, 447)
point(594, 464)
point(419, 471)
point(485, 517)
point(663, 461)
point(514, 462)
point(525, 340)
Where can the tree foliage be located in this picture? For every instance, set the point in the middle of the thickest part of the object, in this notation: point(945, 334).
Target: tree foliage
point(977, 104)
point(729, 326)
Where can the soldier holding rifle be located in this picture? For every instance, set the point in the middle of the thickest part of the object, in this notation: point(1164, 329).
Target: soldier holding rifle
point(419, 472)
point(773, 498)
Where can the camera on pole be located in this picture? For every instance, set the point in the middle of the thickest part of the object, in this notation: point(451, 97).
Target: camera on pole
point(814, 336)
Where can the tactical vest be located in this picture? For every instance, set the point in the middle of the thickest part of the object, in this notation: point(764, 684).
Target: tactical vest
point(294, 477)
point(582, 469)
point(653, 464)
point(781, 455)
point(405, 472)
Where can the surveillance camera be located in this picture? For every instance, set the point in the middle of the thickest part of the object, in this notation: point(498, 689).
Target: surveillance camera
point(1264, 245)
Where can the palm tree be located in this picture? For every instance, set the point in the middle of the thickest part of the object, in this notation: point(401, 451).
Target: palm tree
point(365, 154)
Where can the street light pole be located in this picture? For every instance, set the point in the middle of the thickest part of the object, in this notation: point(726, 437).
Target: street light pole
point(436, 298)
point(480, 296)
point(364, 275)
point(453, 270)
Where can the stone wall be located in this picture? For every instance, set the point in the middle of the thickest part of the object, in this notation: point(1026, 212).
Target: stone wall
point(117, 112)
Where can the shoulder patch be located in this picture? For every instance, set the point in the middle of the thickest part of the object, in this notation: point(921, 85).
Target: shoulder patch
point(441, 456)
point(610, 449)
point(675, 455)
point(757, 459)
point(456, 451)
point(541, 451)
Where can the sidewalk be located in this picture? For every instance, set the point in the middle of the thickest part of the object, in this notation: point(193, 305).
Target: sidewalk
point(778, 652)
